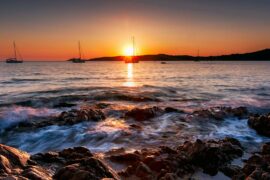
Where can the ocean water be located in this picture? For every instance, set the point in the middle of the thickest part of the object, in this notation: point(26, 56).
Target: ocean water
point(32, 91)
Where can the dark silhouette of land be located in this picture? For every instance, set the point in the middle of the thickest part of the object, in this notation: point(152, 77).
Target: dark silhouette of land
point(263, 55)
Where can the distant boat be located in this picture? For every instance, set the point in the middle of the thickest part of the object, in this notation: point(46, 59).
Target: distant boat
point(133, 58)
point(79, 59)
point(198, 56)
point(163, 62)
point(14, 59)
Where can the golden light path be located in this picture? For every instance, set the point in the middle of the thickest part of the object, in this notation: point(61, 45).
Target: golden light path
point(129, 81)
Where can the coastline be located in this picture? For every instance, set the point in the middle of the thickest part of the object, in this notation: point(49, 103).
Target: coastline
point(209, 156)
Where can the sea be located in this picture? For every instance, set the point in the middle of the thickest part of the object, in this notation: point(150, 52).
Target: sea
point(32, 91)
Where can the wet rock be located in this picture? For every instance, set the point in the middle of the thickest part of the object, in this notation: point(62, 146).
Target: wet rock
point(171, 109)
point(168, 163)
point(71, 117)
point(219, 113)
point(71, 163)
point(85, 169)
point(75, 153)
point(76, 116)
point(211, 155)
point(12, 160)
point(144, 114)
point(36, 173)
point(261, 123)
point(127, 158)
point(257, 166)
point(135, 126)
point(14, 164)
point(230, 170)
point(64, 104)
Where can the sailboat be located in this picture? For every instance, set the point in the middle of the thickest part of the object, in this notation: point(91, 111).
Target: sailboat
point(79, 59)
point(14, 59)
point(198, 56)
point(133, 58)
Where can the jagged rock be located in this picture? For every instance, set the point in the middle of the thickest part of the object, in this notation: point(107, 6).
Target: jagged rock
point(12, 160)
point(171, 109)
point(64, 104)
point(211, 155)
point(257, 166)
point(36, 173)
point(168, 163)
point(71, 117)
point(144, 114)
point(76, 116)
point(84, 169)
point(219, 113)
point(230, 170)
point(71, 163)
point(261, 123)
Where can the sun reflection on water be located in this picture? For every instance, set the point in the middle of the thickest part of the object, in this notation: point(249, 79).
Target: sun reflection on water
point(129, 80)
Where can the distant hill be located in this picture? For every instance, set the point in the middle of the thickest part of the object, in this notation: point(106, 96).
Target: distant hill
point(263, 55)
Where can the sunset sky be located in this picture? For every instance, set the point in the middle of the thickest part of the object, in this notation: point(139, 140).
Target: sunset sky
point(50, 30)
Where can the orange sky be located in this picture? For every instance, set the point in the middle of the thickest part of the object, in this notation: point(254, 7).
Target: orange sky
point(47, 34)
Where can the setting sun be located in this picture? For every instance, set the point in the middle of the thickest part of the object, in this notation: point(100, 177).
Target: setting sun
point(128, 51)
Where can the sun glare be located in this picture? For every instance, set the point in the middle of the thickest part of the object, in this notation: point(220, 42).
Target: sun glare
point(128, 51)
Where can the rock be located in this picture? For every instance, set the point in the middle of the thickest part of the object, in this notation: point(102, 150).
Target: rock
point(71, 163)
point(261, 123)
point(127, 158)
point(211, 155)
point(75, 153)
point(144, 114)
point(64, 104)
point(15, 165)
point(71, 117)
point(12, 159)
point(266, 149)
point(76, 116)
point(171, 109)
point(85, 169)
point(169, 163)
point(135, 126)
point(230, 170)
point(219, 113)
point(257, 166)
point(36, 173)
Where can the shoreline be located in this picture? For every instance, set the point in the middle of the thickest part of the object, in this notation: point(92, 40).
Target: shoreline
point(159, 161)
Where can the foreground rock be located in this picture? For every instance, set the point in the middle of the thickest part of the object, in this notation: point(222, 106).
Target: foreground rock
point(219, 113)
point(142, 114)
point(257, 166)
point(139, 114)
point(165, 162)
point(71, 117)
point(261, 123)
point(72, 163)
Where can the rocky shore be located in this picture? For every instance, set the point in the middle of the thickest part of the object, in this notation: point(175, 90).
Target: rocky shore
point(161, 162)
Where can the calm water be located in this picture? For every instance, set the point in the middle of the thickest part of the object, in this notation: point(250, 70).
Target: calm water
point(32, 89)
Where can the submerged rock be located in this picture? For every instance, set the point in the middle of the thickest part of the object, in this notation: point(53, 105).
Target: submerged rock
point(261, 123)
point(166, 162)
point(72, 163)
point(71, 117)
point(76, 116)
point(64, 104)
point(257, 166)
point(144, 114)
point(219, 113)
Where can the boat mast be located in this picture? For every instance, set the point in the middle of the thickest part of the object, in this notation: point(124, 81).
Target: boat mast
point(14, 48)
point(133, 44)
point(79, 46)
